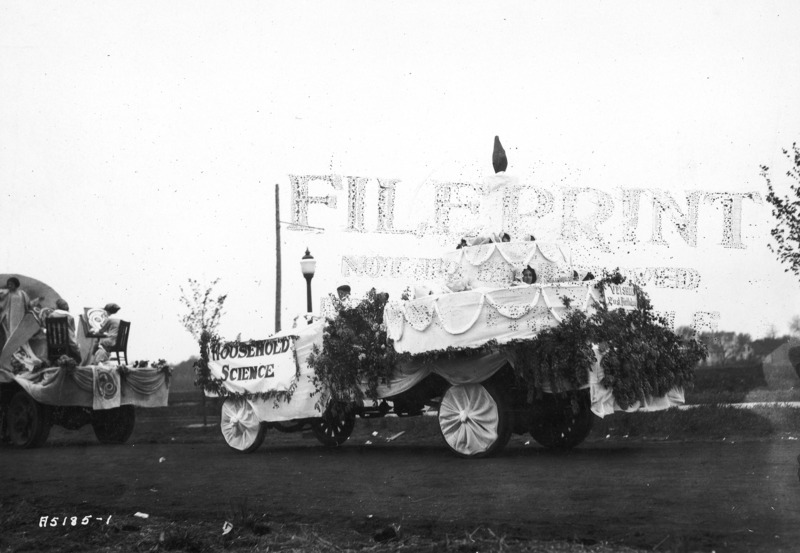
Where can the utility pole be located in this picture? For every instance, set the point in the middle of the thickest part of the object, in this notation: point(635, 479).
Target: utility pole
point(277, 258)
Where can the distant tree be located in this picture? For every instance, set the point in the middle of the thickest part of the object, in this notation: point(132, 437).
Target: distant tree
point(772, 331)
point(794, 325)
point(724, 347)
point(742, 346)
point(786, 210)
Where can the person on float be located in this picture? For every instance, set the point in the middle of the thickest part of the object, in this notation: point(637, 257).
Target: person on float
point(110, 328)
point(341, 299)
point(62, 311)
point(14, 304)
point(343, 292)
point(529, 275)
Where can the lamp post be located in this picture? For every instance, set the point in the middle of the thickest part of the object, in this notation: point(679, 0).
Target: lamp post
point(307, 265)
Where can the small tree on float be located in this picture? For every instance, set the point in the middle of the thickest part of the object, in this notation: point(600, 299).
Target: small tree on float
point(202, 321)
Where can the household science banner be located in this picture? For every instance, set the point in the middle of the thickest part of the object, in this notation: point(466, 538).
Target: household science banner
point(255, 366)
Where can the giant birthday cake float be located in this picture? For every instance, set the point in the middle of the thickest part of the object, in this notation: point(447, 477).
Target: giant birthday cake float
point(483, 298)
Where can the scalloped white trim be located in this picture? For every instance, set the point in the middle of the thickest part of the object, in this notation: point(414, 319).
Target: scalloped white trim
point(419, 323)
point(511, 246)
point(475, 318)
point(476, 255)
point(503, 308)
point(395, 320)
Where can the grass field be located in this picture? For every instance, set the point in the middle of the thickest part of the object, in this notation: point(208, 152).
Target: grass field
point(707, 419)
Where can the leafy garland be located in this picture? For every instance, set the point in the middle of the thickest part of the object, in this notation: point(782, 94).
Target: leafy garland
point(68, 363)
point(642, 356)
point(355, 351)
point(216, 386)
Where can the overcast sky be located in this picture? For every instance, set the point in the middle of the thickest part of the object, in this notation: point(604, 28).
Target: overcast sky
point(140, 142)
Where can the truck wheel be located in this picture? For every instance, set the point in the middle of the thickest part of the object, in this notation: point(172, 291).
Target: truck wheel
point(240, 425)
point(29, 421)
point(475, 420)
point(114, 426)
point(562, 422)
point(335, 425)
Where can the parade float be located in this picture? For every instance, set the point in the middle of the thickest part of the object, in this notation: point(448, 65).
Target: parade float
point(49, 374)
point(489, 350)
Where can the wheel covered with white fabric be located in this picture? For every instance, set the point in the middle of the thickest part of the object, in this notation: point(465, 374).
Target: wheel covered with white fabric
point(562, 421)
point(240, 425)
point(475, 419)
point(335, 425)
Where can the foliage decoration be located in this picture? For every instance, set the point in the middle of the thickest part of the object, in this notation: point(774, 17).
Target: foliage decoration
point(641, 356)
point(66, 362)
point(557, 358)
point(355, 351)
point(786, 210)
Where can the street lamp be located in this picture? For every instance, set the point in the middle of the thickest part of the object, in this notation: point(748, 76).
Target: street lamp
point(307, 265)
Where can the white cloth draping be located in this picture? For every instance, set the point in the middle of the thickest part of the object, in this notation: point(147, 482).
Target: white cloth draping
point(13, 307)
point(79, 386)
point(107, 388)
point(304, 400)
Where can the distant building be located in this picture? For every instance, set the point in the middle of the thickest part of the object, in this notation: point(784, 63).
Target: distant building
point(782, 366)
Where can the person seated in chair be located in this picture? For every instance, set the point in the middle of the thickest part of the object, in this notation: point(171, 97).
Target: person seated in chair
point(110, 330)
point(62, 311)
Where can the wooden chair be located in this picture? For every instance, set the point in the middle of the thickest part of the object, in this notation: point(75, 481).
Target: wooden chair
point(57, 329)
point(85, 324)
point(121, 347)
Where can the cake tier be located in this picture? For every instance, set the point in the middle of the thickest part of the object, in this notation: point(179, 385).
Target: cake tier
point(474, 317)
point(500, 264)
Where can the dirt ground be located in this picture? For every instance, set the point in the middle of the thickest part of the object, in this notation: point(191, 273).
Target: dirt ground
point(654, 495)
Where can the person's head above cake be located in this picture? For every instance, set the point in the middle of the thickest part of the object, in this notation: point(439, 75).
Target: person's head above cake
point(529, 275)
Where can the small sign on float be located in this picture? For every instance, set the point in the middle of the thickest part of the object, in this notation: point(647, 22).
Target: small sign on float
point(620, 296)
